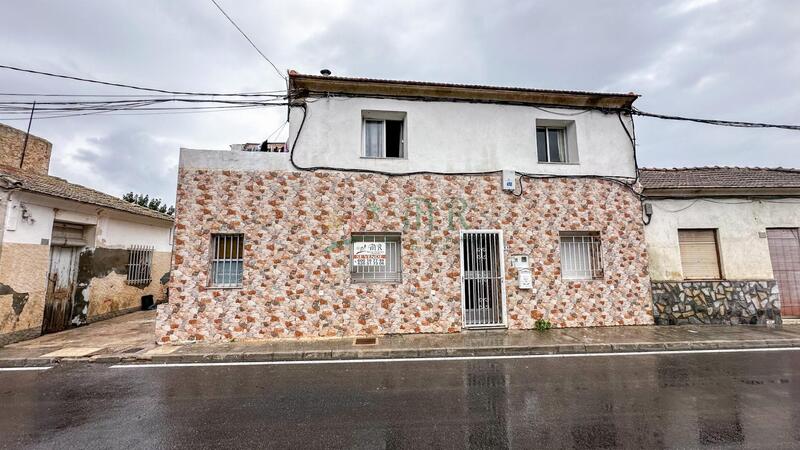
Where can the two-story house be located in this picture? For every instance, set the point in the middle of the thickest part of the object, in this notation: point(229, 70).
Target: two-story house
point(414, 207)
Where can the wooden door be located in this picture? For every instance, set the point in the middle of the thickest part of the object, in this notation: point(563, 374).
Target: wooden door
point(60, 288)
point(784, 251)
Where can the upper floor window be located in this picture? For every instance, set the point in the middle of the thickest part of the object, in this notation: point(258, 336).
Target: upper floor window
point(555, 141)
point(551, 144)
point(383, 134)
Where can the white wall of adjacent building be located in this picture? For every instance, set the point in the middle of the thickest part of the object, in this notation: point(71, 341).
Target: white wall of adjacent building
point(29, 220)
point(447, 136)
point(119, 233)
point(741, 225)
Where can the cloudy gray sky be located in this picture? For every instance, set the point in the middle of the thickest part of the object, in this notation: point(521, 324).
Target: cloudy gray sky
point(727, 59)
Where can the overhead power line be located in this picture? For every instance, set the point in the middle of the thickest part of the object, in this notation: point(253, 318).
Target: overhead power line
point(248, 39)
point(108, 83)
point(724, 123)
point(238, 94)
point(56, 109)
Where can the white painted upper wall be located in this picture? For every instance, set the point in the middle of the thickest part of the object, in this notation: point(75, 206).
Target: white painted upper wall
point(444, 136)
point(232, 160)
point(744, 255)
point(30, 217)
point(119, 233)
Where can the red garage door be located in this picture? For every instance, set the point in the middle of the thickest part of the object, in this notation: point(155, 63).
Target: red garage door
point(784, 250)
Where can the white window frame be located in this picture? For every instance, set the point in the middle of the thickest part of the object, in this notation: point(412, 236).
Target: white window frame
point(374, 274)
point(582, 265)
point(140, 265)
point(383, 116)
point(238, 240)
point(565, 150)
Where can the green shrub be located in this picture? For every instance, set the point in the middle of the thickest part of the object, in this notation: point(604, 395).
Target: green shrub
point(542, 325)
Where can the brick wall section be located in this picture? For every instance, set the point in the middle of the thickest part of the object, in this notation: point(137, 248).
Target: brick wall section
point(37, 153)
point(296, 274)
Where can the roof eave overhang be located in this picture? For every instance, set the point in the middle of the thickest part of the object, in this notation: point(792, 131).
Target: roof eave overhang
point(159, 217)
point(301, 86)
point(696, 192)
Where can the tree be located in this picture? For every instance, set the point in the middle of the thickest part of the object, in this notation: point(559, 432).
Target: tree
point(156, 204)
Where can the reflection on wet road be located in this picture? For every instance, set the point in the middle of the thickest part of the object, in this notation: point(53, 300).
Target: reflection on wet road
point(656, 401)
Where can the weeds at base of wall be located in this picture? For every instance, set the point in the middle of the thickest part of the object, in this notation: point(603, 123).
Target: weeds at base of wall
point(542, 325)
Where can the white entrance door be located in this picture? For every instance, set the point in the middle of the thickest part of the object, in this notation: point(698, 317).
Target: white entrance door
point(483, 293)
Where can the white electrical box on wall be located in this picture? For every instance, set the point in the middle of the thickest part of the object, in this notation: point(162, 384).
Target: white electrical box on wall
point(525, 279)
point(520, 262)
point(509, 180)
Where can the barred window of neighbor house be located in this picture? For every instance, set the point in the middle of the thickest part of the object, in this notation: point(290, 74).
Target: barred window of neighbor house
point(699, 254)
point(375, 257)
point(140, 261)
point(227, 260)
point(580, 256)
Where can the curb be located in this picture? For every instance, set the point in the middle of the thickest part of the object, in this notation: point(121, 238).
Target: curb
point(405, 353)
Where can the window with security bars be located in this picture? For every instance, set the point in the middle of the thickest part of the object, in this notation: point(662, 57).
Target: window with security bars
point(227, 260)
point(140, 260)
point(375, 258)
point(580, 256)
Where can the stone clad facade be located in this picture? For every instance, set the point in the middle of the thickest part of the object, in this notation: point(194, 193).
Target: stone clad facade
point(716, 302)
point(297, 227)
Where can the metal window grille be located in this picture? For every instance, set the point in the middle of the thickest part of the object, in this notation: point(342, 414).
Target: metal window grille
point(482, 273)
point(140, 260)
point(370, 269)
point(580, 256)
point(227, 260)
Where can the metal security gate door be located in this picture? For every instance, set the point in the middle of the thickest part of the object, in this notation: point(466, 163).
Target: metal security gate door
point(482, 279)
point(784, 251)
point(60, 288)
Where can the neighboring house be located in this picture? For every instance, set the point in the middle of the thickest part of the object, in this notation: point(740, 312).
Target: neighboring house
point(724, 244)
point(69, 254)
point(392, 213)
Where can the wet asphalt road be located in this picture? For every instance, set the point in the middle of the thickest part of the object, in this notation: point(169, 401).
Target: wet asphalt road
point(733, 400)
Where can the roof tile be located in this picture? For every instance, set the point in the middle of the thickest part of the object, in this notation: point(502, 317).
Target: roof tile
point(58, 187)
point(720, 177)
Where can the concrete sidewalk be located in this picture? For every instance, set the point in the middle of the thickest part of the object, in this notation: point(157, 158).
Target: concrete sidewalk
point(130, 338)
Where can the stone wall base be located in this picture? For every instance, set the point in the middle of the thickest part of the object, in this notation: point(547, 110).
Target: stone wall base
point(20, 335)
point(716, 302)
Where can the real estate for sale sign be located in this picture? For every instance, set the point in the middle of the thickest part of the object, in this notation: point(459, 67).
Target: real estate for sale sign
point(369, 253)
